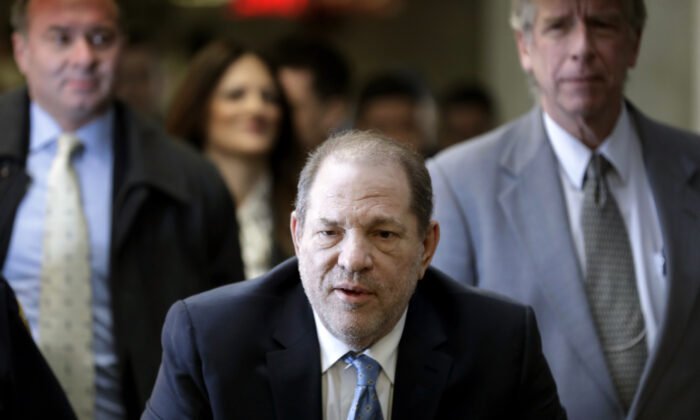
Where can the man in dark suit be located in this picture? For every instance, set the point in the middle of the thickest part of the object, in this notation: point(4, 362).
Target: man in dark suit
point(358, 321)
point(154, 222)
point(28, 389)
point(617, 296)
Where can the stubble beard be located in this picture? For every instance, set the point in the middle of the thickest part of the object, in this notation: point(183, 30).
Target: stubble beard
point(346, 321)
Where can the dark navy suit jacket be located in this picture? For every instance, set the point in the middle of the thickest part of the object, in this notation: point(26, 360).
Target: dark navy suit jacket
point(250, 350)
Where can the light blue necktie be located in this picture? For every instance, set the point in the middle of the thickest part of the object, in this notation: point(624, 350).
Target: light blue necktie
point(365, 403)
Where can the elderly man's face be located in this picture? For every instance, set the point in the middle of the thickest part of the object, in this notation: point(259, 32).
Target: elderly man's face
point(579, 53)
point(359, 249)
point(69, 54)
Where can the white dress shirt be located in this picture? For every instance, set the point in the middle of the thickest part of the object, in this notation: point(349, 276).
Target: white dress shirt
point(339, 379)
point(630, 186)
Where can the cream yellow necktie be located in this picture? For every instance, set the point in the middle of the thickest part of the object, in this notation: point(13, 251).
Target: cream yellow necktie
point(65, 311)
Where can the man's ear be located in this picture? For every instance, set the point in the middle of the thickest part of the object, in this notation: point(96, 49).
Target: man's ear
point(19, 50)
point(430, 243)
point(524, 45)
point(295, 229)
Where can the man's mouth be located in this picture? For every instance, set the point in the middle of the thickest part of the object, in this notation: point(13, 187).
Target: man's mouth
point(353, 294)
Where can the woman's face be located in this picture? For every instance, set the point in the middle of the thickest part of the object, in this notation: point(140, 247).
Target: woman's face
point(244, 113)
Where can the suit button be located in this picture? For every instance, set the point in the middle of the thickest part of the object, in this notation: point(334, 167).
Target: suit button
point(5, 171)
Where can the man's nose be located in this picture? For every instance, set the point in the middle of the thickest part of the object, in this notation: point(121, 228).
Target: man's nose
point(355, 254)
point(582, 43)
point(83, 52)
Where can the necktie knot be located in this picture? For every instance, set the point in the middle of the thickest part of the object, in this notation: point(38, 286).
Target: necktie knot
point(68, 144)
point(597, 169)
point(367, 368)
point(365, 403)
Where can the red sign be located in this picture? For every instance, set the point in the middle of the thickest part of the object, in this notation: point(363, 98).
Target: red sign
point(281, 8)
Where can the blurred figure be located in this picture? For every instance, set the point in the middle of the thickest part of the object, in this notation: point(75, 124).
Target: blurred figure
point(399, 105)
point(466, 111)
point(232, 109)
point(140, 79)
point(316, 80)
point(105, 221)
point(586, 209)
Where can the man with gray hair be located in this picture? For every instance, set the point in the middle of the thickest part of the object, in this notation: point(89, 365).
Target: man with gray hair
point(357, 326)
point(586, 210)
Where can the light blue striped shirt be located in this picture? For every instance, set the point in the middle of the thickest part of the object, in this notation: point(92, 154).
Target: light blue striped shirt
point(94, 167)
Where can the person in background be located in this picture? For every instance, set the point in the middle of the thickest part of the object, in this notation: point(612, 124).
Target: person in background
point(399, 105)
point(586, 209)
point(466, 111)
point(140, 78)
point(105, 221)
point(357, 326)
point(316, 79)
point(231, 108)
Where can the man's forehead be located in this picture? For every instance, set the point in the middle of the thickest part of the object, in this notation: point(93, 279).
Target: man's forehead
point(104, 10)
point(561, 6)
point(353, 179)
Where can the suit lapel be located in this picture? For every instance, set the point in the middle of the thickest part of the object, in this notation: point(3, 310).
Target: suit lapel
point(421, 369)
point(670, 173)
point(295, 371)
point(534, 204)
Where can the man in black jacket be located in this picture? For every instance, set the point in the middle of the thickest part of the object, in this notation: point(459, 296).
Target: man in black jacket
point(160, 222)
point(296, 343)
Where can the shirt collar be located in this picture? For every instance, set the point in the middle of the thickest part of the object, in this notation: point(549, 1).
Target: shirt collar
point(384, 351)
point(44, 130)
point(574, 155)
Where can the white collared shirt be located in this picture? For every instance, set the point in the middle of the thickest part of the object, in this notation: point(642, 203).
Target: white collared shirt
point(630, 186)
point(338, 379)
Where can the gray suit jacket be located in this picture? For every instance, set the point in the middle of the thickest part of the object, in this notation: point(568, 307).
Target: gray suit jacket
point(505, 227)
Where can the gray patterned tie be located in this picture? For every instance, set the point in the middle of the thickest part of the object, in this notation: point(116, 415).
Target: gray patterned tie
point(610, 283)
point(65, 312)
point(365, 403)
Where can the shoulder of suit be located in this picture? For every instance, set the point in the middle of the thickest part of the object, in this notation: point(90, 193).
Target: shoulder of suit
point(162, 149)
point(674, 139)
point(486, 150)
point(445, 291)
point(275, 286)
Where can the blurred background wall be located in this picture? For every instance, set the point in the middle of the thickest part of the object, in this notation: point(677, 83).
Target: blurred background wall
point(443, 40)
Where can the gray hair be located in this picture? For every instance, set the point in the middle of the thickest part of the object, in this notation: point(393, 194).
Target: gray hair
point(522, 15)
point(374, 148)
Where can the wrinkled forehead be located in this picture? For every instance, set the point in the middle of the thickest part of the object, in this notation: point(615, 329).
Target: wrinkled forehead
point(352, 182)
point(66, 12)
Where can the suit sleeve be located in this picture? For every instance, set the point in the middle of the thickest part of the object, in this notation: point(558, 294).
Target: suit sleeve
point(538, 392)
point(454, 254)
point(179, 392)
point(28, 388)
